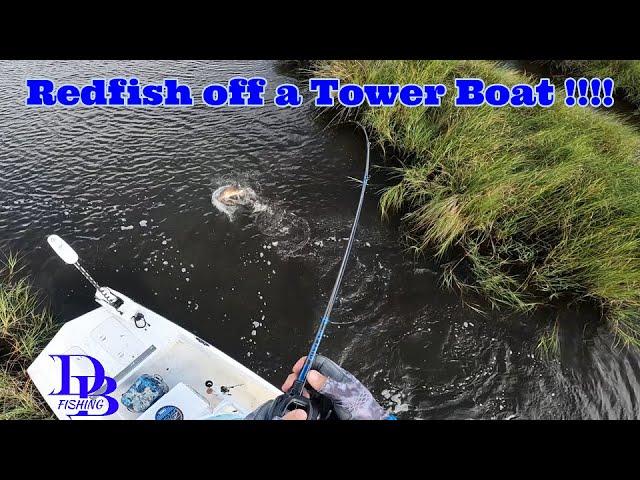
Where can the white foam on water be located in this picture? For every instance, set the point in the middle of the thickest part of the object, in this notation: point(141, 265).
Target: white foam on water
point(288, 231)
point(249, 200)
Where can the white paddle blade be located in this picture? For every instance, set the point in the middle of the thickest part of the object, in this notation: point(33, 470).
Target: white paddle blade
point(62, 248)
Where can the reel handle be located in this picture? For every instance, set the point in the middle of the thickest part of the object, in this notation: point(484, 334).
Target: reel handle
point(293, 400)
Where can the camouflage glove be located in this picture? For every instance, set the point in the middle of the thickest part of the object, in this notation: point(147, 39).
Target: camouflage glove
point(351, 400)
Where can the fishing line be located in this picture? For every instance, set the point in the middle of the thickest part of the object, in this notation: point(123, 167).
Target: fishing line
point(302, 377)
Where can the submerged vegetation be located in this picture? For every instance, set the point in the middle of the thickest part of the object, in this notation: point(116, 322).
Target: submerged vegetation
point(549, 341)
point(25, 325)
point(537, 203)
point(625, 74)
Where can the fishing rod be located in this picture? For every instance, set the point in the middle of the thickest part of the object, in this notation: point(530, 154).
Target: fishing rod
point(294, 398)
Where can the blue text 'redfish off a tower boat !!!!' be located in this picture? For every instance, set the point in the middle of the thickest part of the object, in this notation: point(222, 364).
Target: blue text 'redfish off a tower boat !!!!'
point(124, 361)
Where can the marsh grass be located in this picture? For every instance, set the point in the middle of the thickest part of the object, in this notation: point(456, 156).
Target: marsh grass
point(538, 203)
point(19, 399)
point(625, 74)
point(549, 341)
point(25, 326)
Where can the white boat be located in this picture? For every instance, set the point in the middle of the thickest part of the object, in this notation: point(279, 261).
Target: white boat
point(161, 370)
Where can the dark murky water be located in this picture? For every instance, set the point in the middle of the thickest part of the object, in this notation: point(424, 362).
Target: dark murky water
point(130, 189)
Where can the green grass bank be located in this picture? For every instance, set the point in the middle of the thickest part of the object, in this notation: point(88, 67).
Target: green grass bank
point(625, 74)
point(25, 326)
point(538, 203)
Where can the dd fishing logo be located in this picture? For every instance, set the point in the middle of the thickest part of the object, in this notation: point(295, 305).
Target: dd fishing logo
point(85, 395)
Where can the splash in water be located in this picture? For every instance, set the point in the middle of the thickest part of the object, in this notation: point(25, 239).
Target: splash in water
point(233, 197)
point(289, 231)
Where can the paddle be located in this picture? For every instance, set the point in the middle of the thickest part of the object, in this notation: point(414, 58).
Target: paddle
point(70, 257)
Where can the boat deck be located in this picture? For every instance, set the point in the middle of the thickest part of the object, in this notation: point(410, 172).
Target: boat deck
point(200, 378)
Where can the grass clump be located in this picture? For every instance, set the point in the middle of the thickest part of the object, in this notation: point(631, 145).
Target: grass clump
point(538, 203)
point(25, 326)
point(625, 74)
point(549, 341)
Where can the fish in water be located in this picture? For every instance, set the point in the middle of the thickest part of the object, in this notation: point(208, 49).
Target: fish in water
point(229, 198)
point(289, 231)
